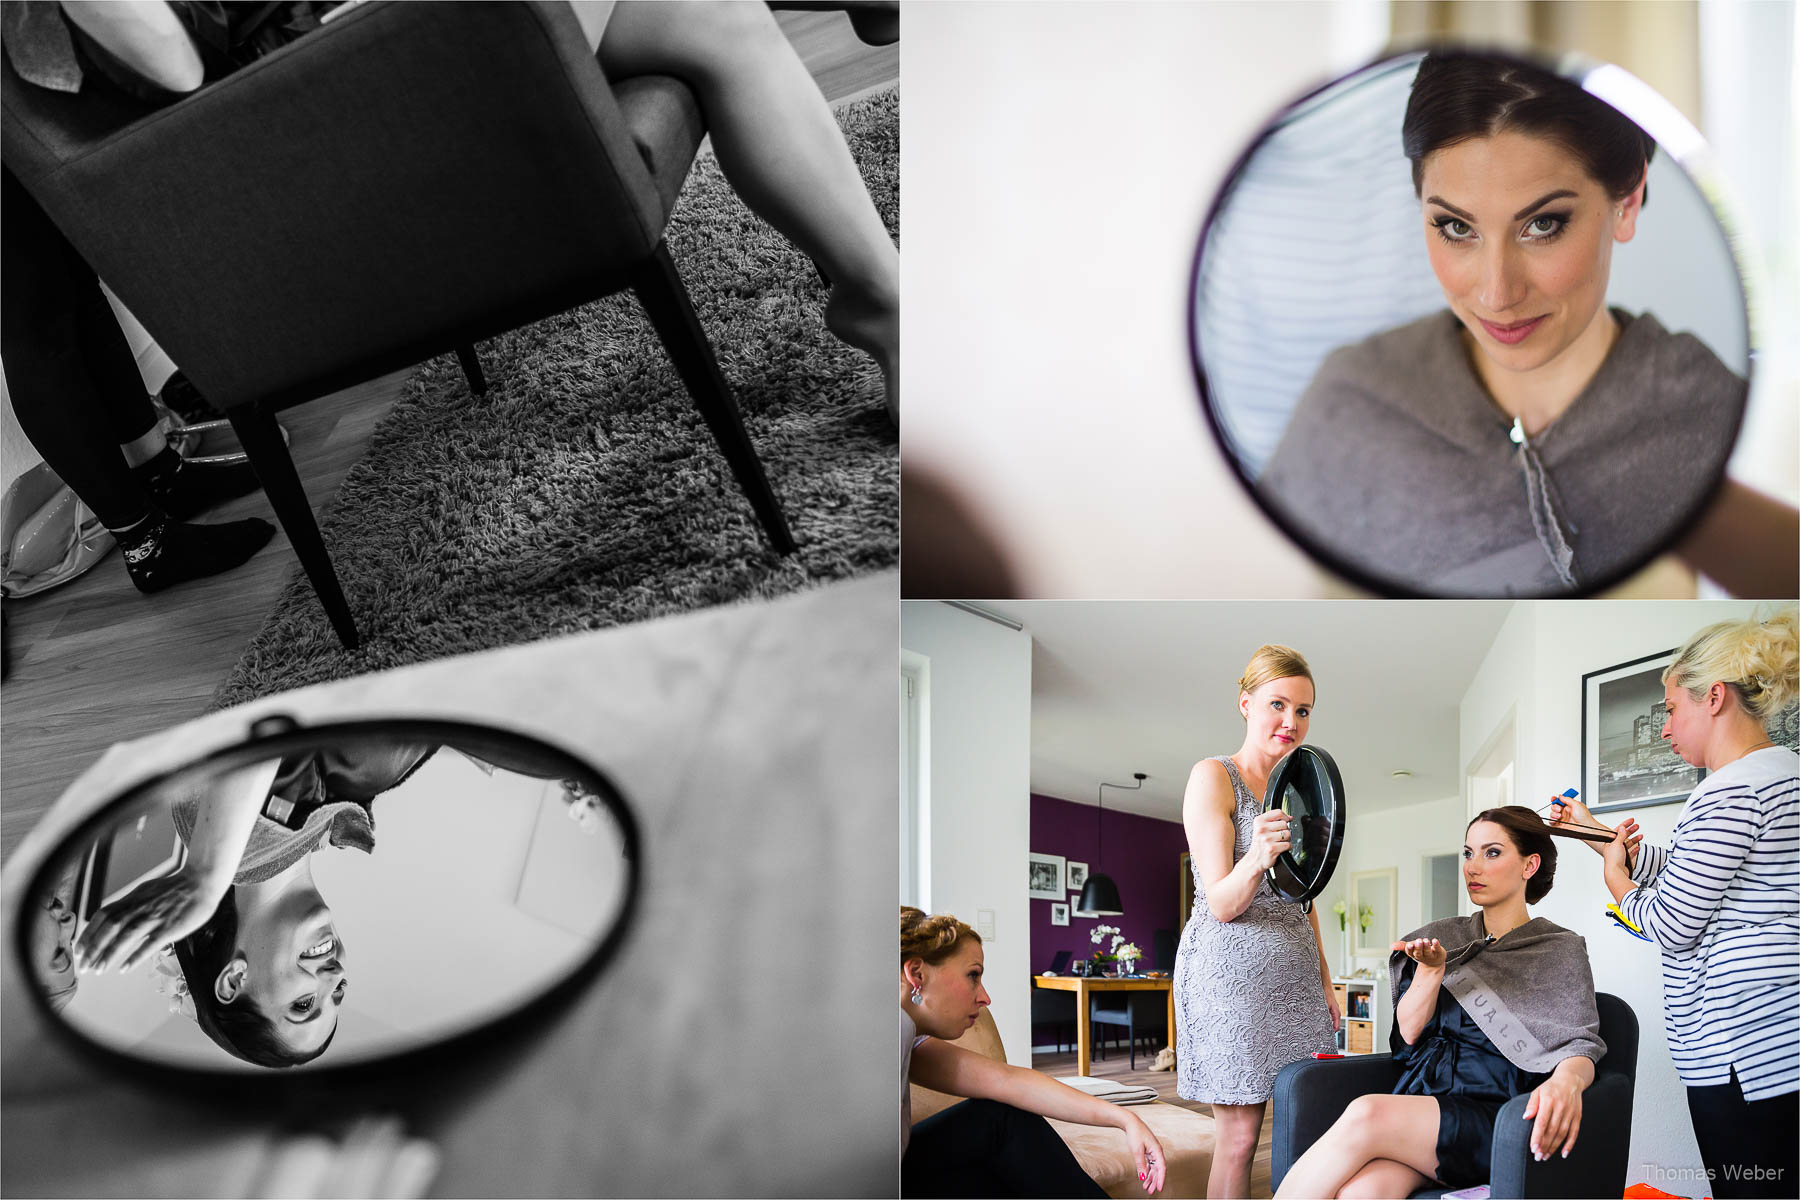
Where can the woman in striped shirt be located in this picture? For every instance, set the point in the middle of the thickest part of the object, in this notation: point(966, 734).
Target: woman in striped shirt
point(1723, 902)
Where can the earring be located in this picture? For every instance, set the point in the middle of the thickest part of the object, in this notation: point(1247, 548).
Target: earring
point(918, 996)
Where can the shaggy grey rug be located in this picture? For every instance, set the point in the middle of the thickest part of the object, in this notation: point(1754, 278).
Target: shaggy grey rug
point(583, 490)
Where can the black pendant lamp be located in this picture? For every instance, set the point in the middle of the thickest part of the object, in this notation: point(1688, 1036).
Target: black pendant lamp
point(1100, 898)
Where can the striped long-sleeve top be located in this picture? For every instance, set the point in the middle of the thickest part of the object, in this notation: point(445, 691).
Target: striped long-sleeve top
point(1723, 903)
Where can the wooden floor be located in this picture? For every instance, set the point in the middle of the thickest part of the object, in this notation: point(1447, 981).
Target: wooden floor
point(94, 662)
point(1117, 1066)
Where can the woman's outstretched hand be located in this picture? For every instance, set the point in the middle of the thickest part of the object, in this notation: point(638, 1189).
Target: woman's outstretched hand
point(1427, 952)
point(1147, 1152)
point(1270, 838)
point(150, 916)
point(1567, 811)
point(1556, 1107)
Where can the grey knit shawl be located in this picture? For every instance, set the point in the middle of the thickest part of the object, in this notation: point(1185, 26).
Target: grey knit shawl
point(1531, 991)
point(1397, 460)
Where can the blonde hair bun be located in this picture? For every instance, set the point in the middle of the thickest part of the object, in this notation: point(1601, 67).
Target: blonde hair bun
point(932, 938)
point(1759, 658)
point(1274, 662)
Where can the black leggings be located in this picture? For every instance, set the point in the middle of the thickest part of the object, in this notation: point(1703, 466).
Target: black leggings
point(986, 1148)
point(1748, 1145)
point(75, 387)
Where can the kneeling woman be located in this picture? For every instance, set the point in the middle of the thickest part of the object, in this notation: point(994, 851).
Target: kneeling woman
point(997, 1142)
point(1439, 1123)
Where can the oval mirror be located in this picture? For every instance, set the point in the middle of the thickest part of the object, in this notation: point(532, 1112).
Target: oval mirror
point(327, 897)
point(1470, 325)
point(1307, 787)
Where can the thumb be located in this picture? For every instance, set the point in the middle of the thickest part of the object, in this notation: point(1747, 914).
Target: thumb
point(1531, 1106)
point(1397, 947)
point(1137, 1154)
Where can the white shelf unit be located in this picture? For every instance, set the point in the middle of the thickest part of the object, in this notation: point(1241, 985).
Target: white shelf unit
point(1368, 1033)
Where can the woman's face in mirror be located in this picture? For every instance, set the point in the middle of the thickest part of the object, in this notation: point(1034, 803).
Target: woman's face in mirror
point(290, 968)
point(1277, 713)
point(1520, 238)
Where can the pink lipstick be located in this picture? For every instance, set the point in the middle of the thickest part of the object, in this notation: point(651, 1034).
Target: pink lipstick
point(1513, 334)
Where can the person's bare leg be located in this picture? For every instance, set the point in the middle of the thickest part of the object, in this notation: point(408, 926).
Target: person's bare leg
point(1403, 1129)
point(1236, 1128)
point(781, 149)
point(1383, 1179)
point(145, 448)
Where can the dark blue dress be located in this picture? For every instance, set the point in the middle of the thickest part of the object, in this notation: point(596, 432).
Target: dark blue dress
point(1456, 1062)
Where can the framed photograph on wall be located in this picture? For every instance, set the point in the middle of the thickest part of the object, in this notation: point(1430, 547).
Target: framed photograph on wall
point(1624, 761)
point(1059, 914)
point(1046, 876)
point(1078, 873)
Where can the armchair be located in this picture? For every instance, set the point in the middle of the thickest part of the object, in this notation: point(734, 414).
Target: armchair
point(395, 185)
point(1313, 1093)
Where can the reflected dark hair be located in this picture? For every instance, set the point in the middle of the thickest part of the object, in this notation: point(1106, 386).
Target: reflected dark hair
point(239, 1029)
point(1526, 830)
point(1458, 95)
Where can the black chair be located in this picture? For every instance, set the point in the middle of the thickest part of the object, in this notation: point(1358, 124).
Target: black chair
point(399, 184)
point(1311, 1094)
point(1055, 1009)
point(1139, 1014)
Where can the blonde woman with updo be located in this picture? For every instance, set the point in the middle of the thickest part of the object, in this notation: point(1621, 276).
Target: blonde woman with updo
point(996, 1143)
point(1252, 991)
point(1723, 901)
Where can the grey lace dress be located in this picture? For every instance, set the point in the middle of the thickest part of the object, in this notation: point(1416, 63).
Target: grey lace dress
point(1248, 999)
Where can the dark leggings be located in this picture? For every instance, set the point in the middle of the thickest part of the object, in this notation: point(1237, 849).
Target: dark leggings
point(986, 1148)
point(1748, 1145)
point(75, 387)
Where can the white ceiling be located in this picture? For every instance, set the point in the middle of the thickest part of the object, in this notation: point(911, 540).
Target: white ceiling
point(1148, 685)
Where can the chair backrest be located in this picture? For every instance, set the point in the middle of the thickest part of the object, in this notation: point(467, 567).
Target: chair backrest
point(1619, 1030)
point(405, 170)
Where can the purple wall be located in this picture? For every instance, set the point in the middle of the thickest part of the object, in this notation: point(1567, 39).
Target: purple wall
point(1143, 856)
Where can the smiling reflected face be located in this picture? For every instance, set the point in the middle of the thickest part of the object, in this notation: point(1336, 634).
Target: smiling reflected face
point(1520, 238)
point(289, 968)
point(953, 996)
point(1493, 869)
point(1277, 713)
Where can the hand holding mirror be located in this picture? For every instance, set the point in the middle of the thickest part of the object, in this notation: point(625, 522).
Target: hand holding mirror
point(1307, 787)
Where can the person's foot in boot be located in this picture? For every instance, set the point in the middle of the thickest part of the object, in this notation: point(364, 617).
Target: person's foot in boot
point(160, 553)
point(184, 489)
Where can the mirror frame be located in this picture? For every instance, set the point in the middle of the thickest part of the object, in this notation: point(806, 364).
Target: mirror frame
point(1283, 879)
point(272, 736)
point(1381, 879)
point(1695, 162)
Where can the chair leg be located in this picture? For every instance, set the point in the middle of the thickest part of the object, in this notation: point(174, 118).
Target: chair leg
point(471, 366)
point(268, 454)
point(660, 291)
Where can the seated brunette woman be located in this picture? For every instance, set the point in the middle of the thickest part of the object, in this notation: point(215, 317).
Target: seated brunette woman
point(1438, 1125)
point(996, 1143)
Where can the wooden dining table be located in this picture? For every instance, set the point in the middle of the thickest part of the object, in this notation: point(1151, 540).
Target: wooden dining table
point(1084, 986)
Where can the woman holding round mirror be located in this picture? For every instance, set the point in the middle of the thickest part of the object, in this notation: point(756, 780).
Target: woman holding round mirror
point(1252, 988)
point(1528, 438)
point(996, 1142)
point(1722, 902)
point(1438, 1123)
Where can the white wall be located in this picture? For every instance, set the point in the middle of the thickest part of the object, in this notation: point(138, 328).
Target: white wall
point(1534, 671)
point(977, 793)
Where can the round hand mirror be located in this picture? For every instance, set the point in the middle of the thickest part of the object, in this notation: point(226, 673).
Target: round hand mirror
point(1468, 325)
point(326, 897)
point(1307, 787)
